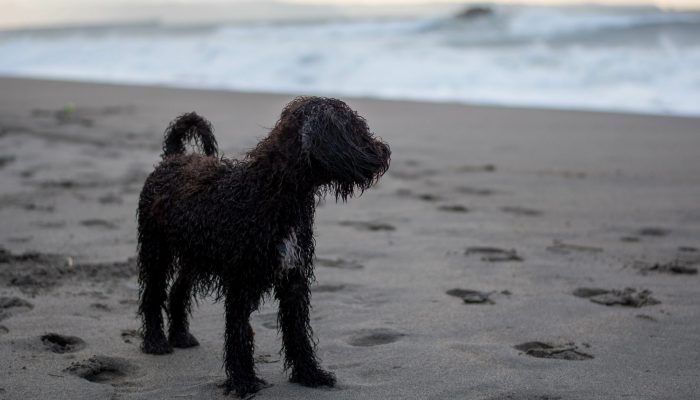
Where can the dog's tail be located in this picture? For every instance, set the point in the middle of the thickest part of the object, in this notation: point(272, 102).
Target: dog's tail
point(188, 127)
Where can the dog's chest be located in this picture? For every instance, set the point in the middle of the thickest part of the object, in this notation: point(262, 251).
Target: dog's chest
point(290, 252)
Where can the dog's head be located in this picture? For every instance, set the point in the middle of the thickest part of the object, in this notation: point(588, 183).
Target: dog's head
point(337, 144)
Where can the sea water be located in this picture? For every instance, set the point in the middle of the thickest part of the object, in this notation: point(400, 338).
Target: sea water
point(637, 59)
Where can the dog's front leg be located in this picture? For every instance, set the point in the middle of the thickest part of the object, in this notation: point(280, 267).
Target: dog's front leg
point(293, 295)
point(239, 345)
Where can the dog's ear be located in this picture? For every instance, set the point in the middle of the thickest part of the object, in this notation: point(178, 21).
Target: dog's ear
point(339, 145)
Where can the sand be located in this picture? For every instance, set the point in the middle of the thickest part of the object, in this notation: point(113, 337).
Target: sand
point(459, 277)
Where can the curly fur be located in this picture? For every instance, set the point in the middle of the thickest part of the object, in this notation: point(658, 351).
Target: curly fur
point(242, 228)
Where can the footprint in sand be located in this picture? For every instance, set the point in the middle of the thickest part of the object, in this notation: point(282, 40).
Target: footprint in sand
point(11, 305)
point(654, 231)
point(328, 288)
point(566, 351)
point(339, 263)
point(368, 225)
point(60, 344)
point(675, 267)
point(560, 247)
point(455, 208)
point(472, 296)
point(476, 168)
point(131, 335)
point(99, 223)
point(524, 396)
point(374, 337)
point(494, 254)
point(627, 297)
point(472, 191)
point(522, 211)
point(102, 369)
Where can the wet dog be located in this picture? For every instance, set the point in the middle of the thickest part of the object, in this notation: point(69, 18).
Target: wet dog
point(239, 229)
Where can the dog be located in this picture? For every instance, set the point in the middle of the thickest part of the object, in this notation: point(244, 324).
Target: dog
point(240, 229)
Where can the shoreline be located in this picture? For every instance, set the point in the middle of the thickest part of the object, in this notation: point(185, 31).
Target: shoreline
point(474, 105)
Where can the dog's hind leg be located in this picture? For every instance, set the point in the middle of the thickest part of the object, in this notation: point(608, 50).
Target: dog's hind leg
point(239, 344)
point(154, 269)
point(293, 295)
point(179, 303)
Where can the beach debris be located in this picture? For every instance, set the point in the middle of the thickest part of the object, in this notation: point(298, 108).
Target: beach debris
point(627, 297)
point(472, 296)
point(374, 337)
point(60, 344)
point(567, 351)
point(493, 254)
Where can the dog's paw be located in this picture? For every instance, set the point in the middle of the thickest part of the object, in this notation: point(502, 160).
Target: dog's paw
point(183, 340)
point(313, 378)
point(243, 388)
point(156, 345)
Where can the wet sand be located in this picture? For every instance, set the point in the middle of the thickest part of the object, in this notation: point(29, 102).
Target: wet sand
point(507, 254)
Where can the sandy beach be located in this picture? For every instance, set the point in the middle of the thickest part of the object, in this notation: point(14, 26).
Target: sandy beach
point(508, 253)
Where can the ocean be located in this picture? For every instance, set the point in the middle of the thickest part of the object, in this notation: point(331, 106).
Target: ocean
point(632, 59)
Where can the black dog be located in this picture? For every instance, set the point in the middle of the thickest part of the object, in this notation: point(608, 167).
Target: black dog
point(239, 229)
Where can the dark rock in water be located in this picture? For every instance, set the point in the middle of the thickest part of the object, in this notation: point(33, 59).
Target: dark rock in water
point(627, 297)
point(62, 344)
point(471, 296)
point(568, 351)
point(475, 12)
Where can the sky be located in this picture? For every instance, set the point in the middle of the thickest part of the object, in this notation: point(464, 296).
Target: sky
point(38, 13)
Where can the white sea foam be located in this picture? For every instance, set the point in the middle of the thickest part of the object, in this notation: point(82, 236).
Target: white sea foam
point(629, 59)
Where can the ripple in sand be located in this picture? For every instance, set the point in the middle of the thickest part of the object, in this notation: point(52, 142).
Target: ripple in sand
point(567, 351)
point(58, 343)
point(374, 337)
